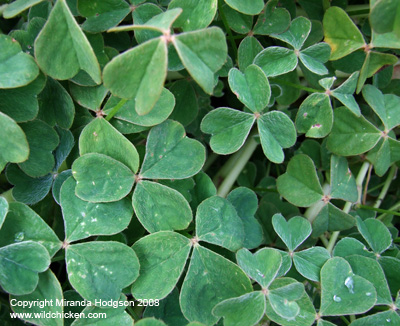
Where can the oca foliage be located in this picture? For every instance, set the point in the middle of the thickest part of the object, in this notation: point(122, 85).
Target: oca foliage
point(214, 162)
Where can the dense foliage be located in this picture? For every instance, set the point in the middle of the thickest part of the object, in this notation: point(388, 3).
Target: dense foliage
point(201, 161)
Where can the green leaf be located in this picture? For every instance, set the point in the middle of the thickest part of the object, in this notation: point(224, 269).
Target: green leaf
point(343, 183)
point(170, 154)
point(41, 160)
point(293, 232)
point(384, 105)
point(238, 22)
point(203, 53)
point(272, 20)
point(229, 129)
point(160, 112)
point(344, 93)
point(217, 222)
point(49, 289)
point(249, 8)
point(344, 293)
point(385, 16)
point(20, 264)
point(100, 178)
point(27, 35)
point(16, 67)
point(26, 189)
point(248, 50)
point(88, 97)
point(160, 208)
point(102, 15)
point(388, 317)
point(150, 322)
point(386, 152)
point(277, 131)
point(210, 279)
point(21, 104)
point(61, 48)
point(83, 219)
point(310, 261)
point(375, 233)
point(100, 137)
point(58, 182)
point(55, 105)
point(245, 310)
point(315, 117)
point(314, 57)
point(297, 33)
point(350, 246)
point(370, 269)
point(246, 203)
point(341, 33)
point(195, 14)
point(391, 267)
point(251, 88)
point(139, 73)
point(3, 210)
point(160, 254)
point(23, 224)
point(300, 174)
point(14, 147)
point(275, 61)
point(99, 270)
point(262, 266)
point(18, 6)
point(351, 135)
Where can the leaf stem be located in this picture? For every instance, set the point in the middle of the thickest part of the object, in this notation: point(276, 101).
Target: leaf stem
point(240, 159)
point(115, 109)
point(385, 188)
point(391, 210)
point(228, 30)
point(359, 181)
point(304, 88)
point(379, 210)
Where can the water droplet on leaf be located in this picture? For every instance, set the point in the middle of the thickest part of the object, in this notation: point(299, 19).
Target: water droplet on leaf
point(337, 298)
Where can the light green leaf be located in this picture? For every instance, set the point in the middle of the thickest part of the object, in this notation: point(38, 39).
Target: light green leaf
point(293, 232)
point(300, 174)
point(170, 154)
point(100, 178)
point(331, 218)
point(195, 14)
point(210, 279)
point(139, 73)
point(249, 8)
point(58, 182)
point(102, 15)
point(370, 269)
point(162, 253)
point(275, 61)
point(3, 210)
point(343, 183)
point(350, 246)
point(344, 93)
point(384, 105)
point(315, 117)
point(88, 97)
point(272, 20)
point(217, 222)
point(160, 208)
point(203, 53)
point(385, 16)
point(20, 264)
point(341, 33)
point(262, 266)
point(386, 152)
point(229, 129)
point(245, 310)
point(160, 112)
point(62, 49)
point(251, 88)
point(14, 147)
point(248, 50)
point(18, 6)
point(83, 219)
point(389, 318)
point(246, 203)
point(100, 137)
point(16, 67)
point(277, 131)
point(49, 289)
point(375, 233)
point(310, 261)
point(314, 58)
point(99, 270)
point(55, 105)
point(351, 135)
point(23, 224)
point(343, 292)
point(297, 33)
